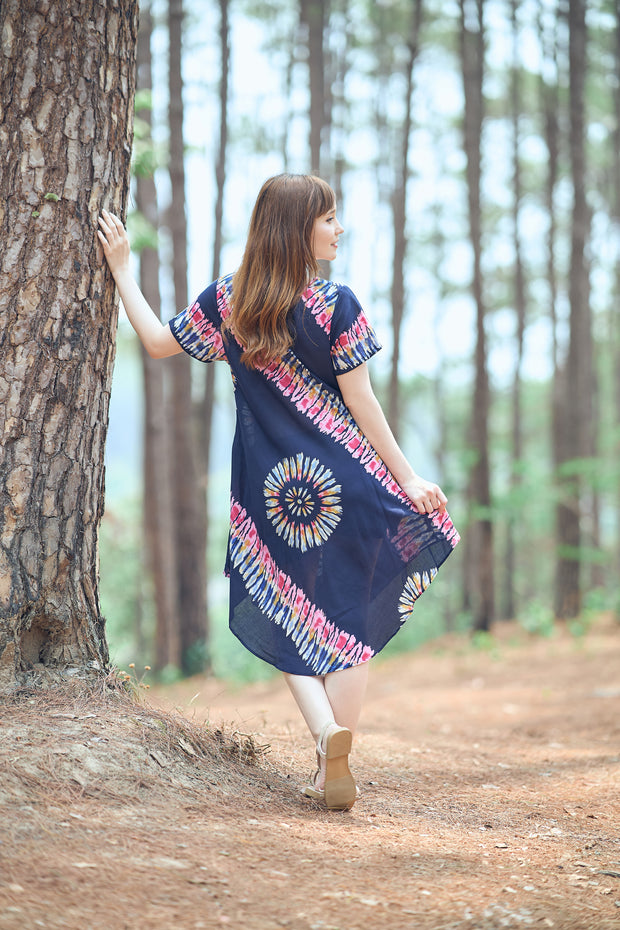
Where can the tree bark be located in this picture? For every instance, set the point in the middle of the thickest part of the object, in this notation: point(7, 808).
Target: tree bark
point(399, 217)
point(509, 606)
point(189, 492)
point(157, 493)
point(208, 397)
point(481, 527)
point(66, 96)
point(339, 104)
point(313, 17)
point(616, 217)
point(578, 421)
point(549, 92)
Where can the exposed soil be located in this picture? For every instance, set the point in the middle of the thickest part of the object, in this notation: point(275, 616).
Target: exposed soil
point(489, 799)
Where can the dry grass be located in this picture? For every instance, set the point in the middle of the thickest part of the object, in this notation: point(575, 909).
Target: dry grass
point(97, 740)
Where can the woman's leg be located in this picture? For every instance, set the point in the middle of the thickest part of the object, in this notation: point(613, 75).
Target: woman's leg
point(345, 691)
point(336, 696)
point(311, 698)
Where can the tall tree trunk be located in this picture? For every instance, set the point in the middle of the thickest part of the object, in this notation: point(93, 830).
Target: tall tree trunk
point(338, 98)
point(284, 130)
point(208, 397)
point(66, 122)
point(189, 492)
point(157, 491)
point(510, 563)
point(313, 15)
point(579, 371)
point(399, 217)
point(549, 92)
point(481, 529)
point(440, 251)
point(616, 218)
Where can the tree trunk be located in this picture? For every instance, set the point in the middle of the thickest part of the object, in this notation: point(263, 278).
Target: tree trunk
point(509, 606)
point(399, 216)
point(616, 217)
point(67, 91)
point(208, 398)
point(157, 493)
point(313, 16)
point(481, 528)
point(338, 70)
point(577, 423)
point(549, 91)
point(189, 492)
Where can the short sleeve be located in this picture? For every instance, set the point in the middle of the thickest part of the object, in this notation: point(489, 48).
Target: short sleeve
point(197, 329)
point(352, 338)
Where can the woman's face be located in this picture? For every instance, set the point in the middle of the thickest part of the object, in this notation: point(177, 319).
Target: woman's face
point(325, 234)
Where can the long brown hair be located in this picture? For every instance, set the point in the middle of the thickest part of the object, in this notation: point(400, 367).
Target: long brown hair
point(277, 265)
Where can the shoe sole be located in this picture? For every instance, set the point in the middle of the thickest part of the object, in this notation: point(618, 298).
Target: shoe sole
point(340, 789)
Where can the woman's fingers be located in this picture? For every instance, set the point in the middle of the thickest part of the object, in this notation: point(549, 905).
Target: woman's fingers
point(110, 223)
point(112, 236)
point(428, 499)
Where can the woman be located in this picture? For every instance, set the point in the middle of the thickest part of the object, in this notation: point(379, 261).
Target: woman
point(332, 534)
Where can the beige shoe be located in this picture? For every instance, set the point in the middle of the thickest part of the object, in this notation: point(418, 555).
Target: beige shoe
point(339, 791)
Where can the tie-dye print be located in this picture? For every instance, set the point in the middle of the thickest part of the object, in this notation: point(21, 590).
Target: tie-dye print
point(302, 501)
point(326, 555)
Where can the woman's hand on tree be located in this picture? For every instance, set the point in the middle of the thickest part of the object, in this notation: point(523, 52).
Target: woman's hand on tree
point(426, 496)
point(115, 242)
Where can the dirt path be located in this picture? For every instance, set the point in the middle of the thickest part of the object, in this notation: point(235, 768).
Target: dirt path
point(489, 799)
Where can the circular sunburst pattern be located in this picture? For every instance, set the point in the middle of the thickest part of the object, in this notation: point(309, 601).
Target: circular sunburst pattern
point(303, 501)
point(414, 586)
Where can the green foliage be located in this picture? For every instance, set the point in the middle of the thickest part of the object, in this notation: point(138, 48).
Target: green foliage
point(120, 587)
point(537, 618)
point(143, 234)
point(484, 641)
point(145, 157)
point(143, 100)
point(197, 658)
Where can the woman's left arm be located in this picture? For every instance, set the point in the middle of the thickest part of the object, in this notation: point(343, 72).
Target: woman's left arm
point(156, 336)
point(359, 397)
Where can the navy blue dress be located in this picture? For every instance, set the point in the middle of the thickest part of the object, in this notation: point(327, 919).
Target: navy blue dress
point(326, 553)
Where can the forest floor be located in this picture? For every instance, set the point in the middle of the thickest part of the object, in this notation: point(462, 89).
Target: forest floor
point(490, 799)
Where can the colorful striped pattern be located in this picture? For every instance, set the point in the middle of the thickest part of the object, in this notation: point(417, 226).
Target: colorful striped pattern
point(328, 412)
point(354, 346)
point(414, 586)
point(197, 335)
point(320, 299)
point(319, 642)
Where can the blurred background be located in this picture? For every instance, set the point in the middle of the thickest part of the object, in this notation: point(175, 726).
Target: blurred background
point(474, 147)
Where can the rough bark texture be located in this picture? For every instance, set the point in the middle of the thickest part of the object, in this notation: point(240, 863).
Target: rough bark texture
point(189, 492)
point(66, 121)
point(481, 528)
point(157, 495)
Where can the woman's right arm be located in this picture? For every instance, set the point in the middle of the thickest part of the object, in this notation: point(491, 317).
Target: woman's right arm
point(156, 337)
point(360, 399)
